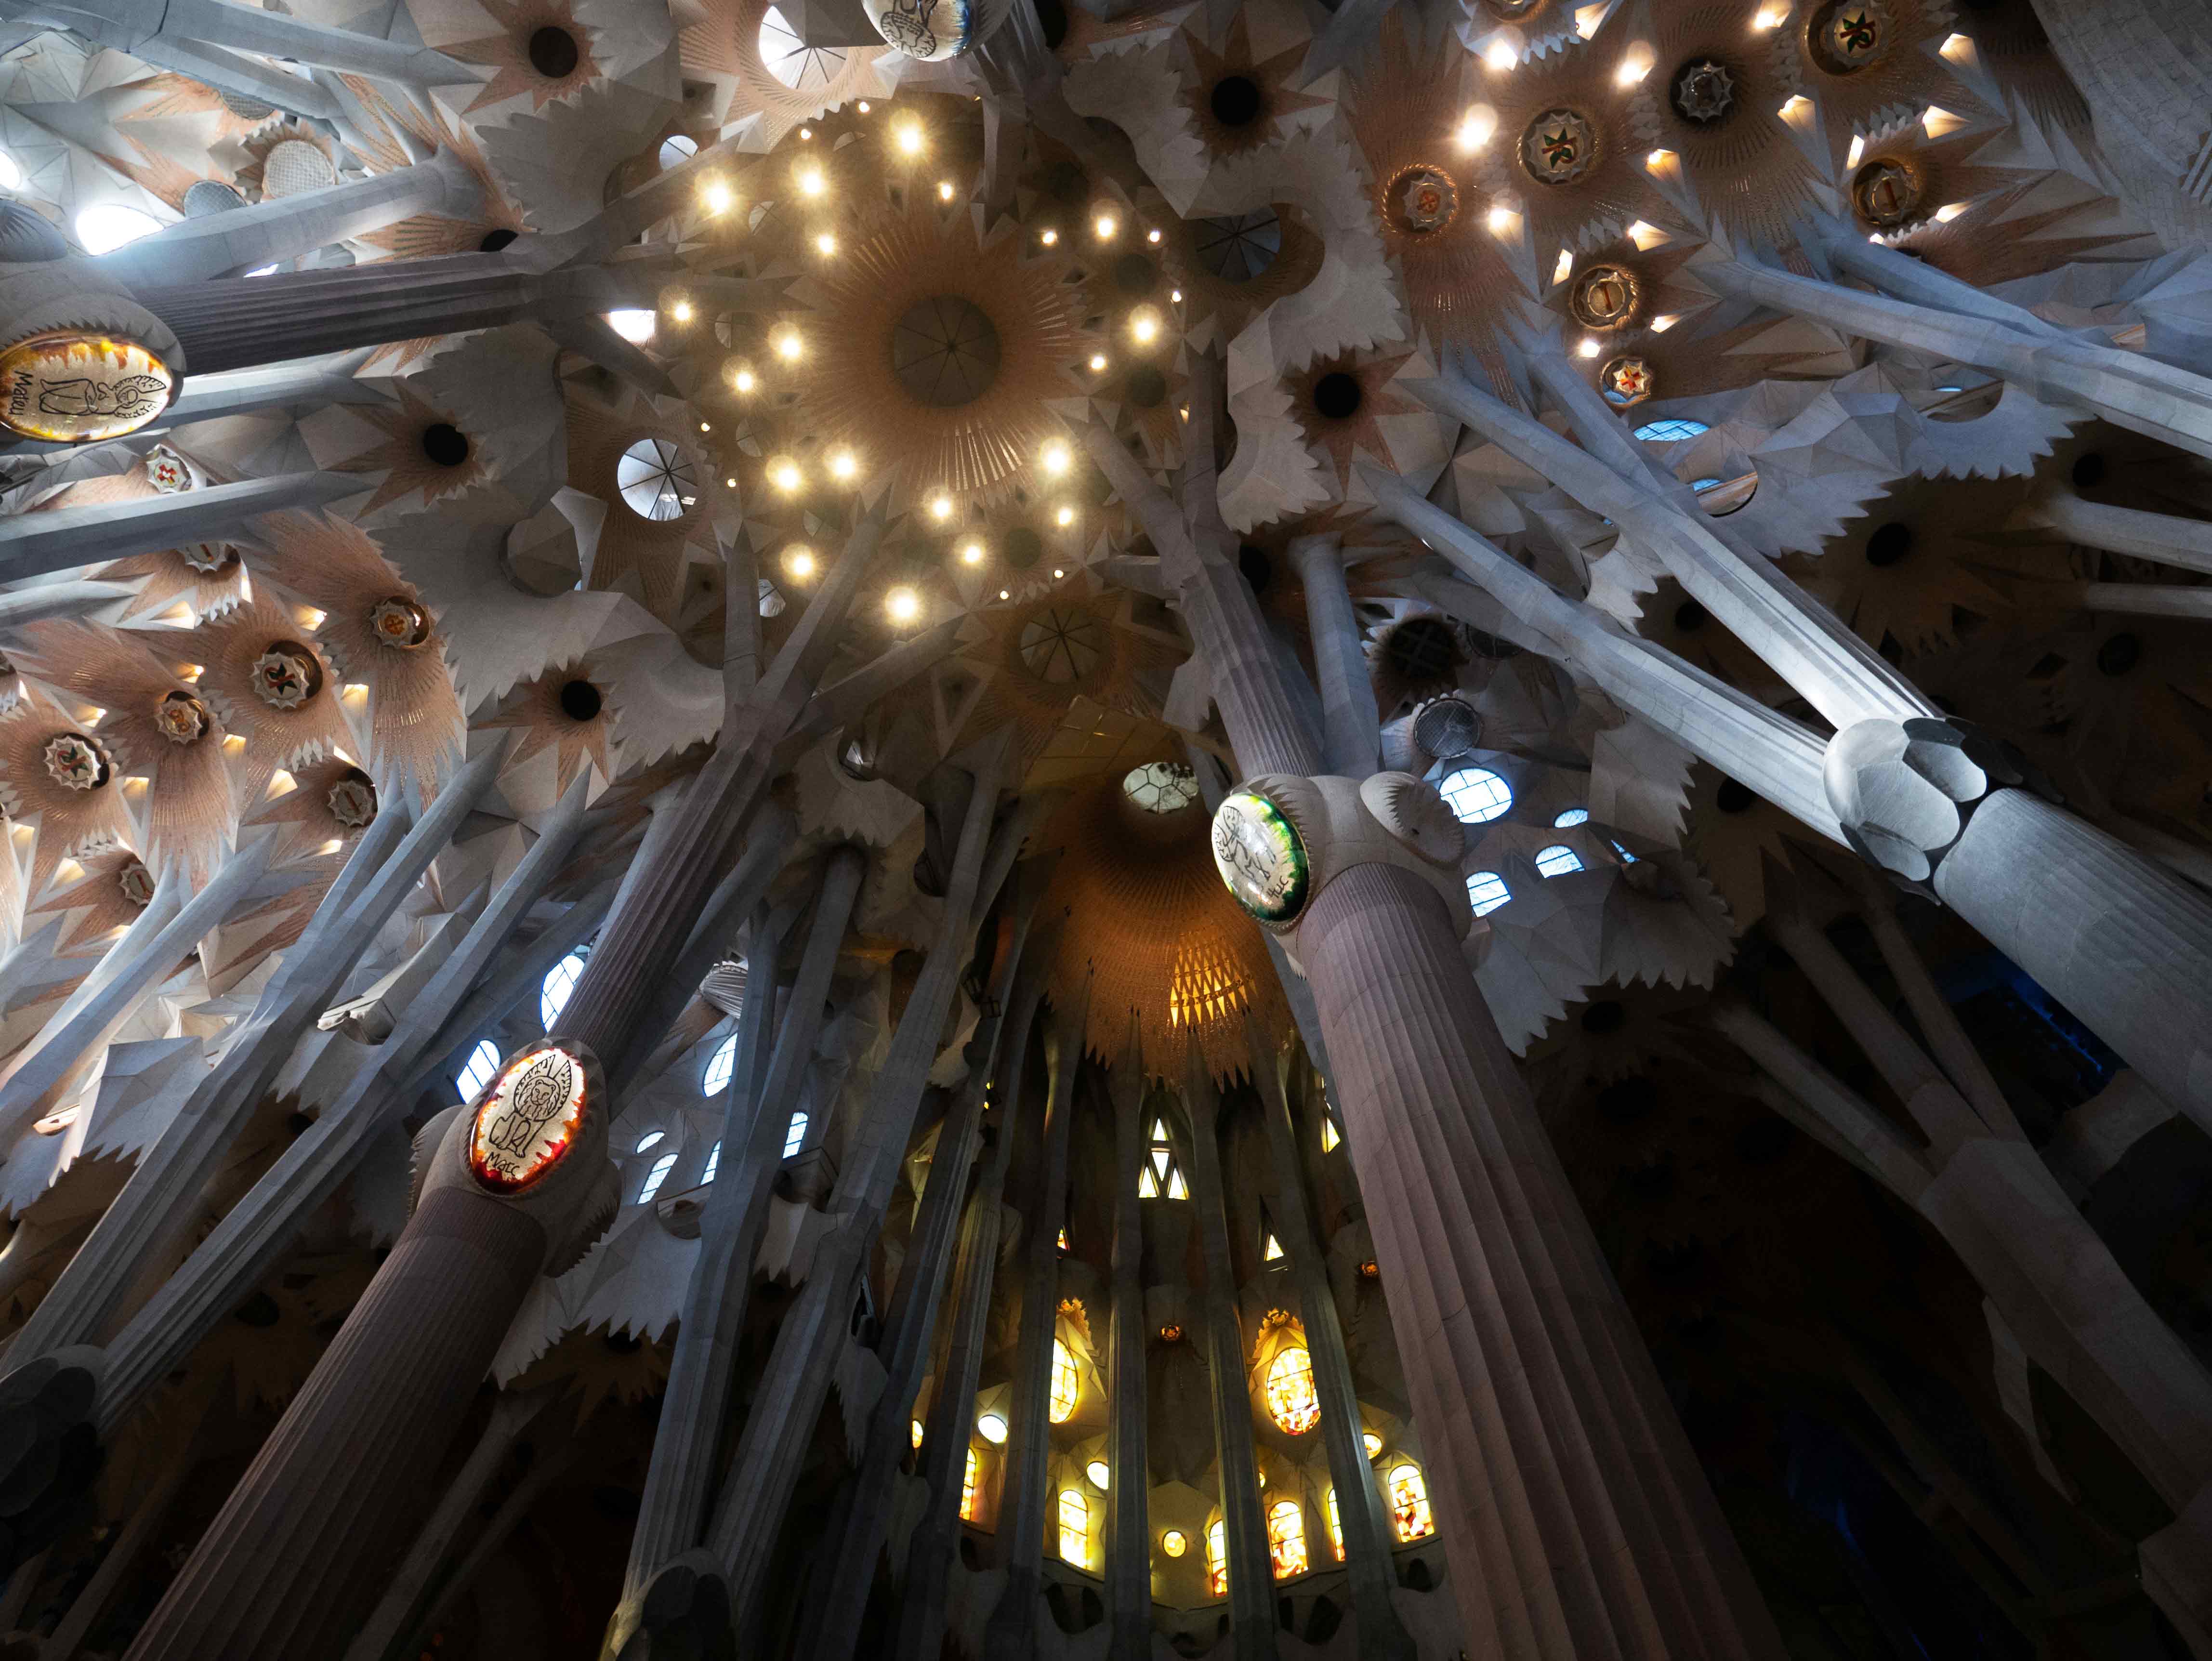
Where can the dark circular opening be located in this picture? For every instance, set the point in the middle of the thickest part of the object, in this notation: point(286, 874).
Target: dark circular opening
point(2088, 471)
point(579, 700)
point(1690, 616)
point(1052, 18)
point(1146, 388)
point(493, 240)
point(1065, 182)
point(553, 53)
point(2119, 654)
point(1606, 1015)
point(1889, 543)
point(1336, 395)
point(1734, 798)
point(1235, 100)
point(1422, 649)
point(259, 1311)
point(1021, 548)
point(1133, 274)
point(1702, 91)
point(1258, 570)
point(445, 444)
point(945, 351)
point(1626, 1100)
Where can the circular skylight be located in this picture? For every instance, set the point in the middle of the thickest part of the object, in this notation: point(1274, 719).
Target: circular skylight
point(1161, 787)
point(635, 326)
point(106, 225)
point(1239, 248)
point(675, 149)
point(656, 480)
point(791, 60)
point(1477, 795)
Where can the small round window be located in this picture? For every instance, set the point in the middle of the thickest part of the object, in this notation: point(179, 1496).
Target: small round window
point(1477, 795)
point(791, 60)
point(1161, 787)
point(656, 480)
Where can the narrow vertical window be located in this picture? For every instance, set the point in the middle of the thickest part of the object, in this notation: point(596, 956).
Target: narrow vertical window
point(1286, 1538)
point(714, 1163)
point(654, 1177)
point(1292, 1399)
point(1216, 1560)
point(1409, 1503)
point(967, 1474)
point(795, 1138)
point(1074, 1527)
point(1066, 1386)
point(1335, 1527)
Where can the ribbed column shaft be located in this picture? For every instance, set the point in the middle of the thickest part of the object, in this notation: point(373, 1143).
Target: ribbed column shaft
point(1574, 1515)
point(285, 1568)
point(1128, 1457)
point(1360, 1519)
point(1011, 1635)
point(1352, 727)
point(1244, 1528)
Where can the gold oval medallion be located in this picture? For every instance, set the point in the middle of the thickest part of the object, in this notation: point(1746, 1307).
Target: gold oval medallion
point(74, 388)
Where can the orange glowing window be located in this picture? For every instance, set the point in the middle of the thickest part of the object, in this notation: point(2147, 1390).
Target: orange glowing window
point(1409, 1503)
point(1216, 1560)
point(1335, 1527)
point(1074, 1527)
point(1160, 1174)
point(1066, 1386)
point(1286, 1538)
point(967, 1484)
point(1290, 1390)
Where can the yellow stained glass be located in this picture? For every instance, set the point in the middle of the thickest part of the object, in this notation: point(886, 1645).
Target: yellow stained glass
point(1172, 1543)
point(1409, 1503)
point(1286, 1538)
point(967, 1488)
point(1074, 1526)
point(1216, 1560)
point(1290, 1390)
point(1335, 1527)
point(1066, 1386)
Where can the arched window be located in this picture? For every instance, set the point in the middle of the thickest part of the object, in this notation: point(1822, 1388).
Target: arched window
point(1665, 432)
point(675, 149)
point(1286, 1538)
point(1335, 1527)
point(1290, 1390)
point(714, 1163)
point(1216, 1560)
point(1074, 1527)
point(967, 1483)
point(795, 1137)
point(1476, 794)
point(654, 1177)
point(483, 1062)
point(1161, 1174)
point(1573, 816)
point(1487, 891)
point(1558, 860)
point(634, 324)
point(1409, 1503)
point(721, 1067)
point(1066, 1386)
point(553, 994)
point(648, 1140)
point(106, 225)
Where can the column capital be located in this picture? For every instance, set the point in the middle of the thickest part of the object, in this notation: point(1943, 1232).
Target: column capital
point(1903, 790)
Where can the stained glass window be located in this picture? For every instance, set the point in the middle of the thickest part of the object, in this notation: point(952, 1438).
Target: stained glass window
point(483, 1062)
point(1666, 431)
point(1476, 794)
point(1335, 1527)
point(1409, 1503)
point(1161, 1175)
point(553, 993)
point(1558, 860)
point(1066, 1386)
point(1286, 1538)
point(1216, 1560)
point(1074, 1527)
point(1572, 816)
point(1161, 787)
point(1290, 1390)
point(967, 1474)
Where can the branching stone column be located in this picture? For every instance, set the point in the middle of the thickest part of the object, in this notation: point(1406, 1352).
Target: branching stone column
point(514, 1185)
point(1352, 727)
point(1012, 1633)
point(946, 1439)
point(1128, 1457)
point(1245, 1529)
point(1365, 1529)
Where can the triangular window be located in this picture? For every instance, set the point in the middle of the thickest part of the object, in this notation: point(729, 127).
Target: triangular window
point(1160, 1174)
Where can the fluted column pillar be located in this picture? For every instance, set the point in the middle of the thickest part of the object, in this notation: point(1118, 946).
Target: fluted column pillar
point(1351, 736)
point(1128, 1459)
point(951, 1422)
point(1012, 1633)
point(1360, 1517)
point(1244, 1528)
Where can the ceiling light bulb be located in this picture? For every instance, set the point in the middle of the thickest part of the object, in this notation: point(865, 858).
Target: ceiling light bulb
point(1097, 361)
point(1057, 573)
point(903, 605)
point(799, 563)
point(1501, 219)
point(1004, 595)
point(1501, 56)
point(943, 190)
point(1106, 226)
point(971, 554)
point(743, 381)
point(806, 132)
point(1588, 348)
point(1055, 457)
point(1153, 235)
point(1175, 294)
point(1476, 128)
point(826, 242)
point(1631, 70)
point(788, 345)
point(1144, 326)
point(811, 182)
point(941, 507)
point(1048, 238)
point(864, 106)
point(681, 310)
point(783, 473)
point(1065, 517)
point(718, 197)
point(909, 134)
point(843, 466)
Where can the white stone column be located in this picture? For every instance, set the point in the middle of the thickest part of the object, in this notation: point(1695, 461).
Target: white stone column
point(1352, 726)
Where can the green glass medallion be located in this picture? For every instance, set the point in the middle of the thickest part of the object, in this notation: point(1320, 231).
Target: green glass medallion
point(1261, 856)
